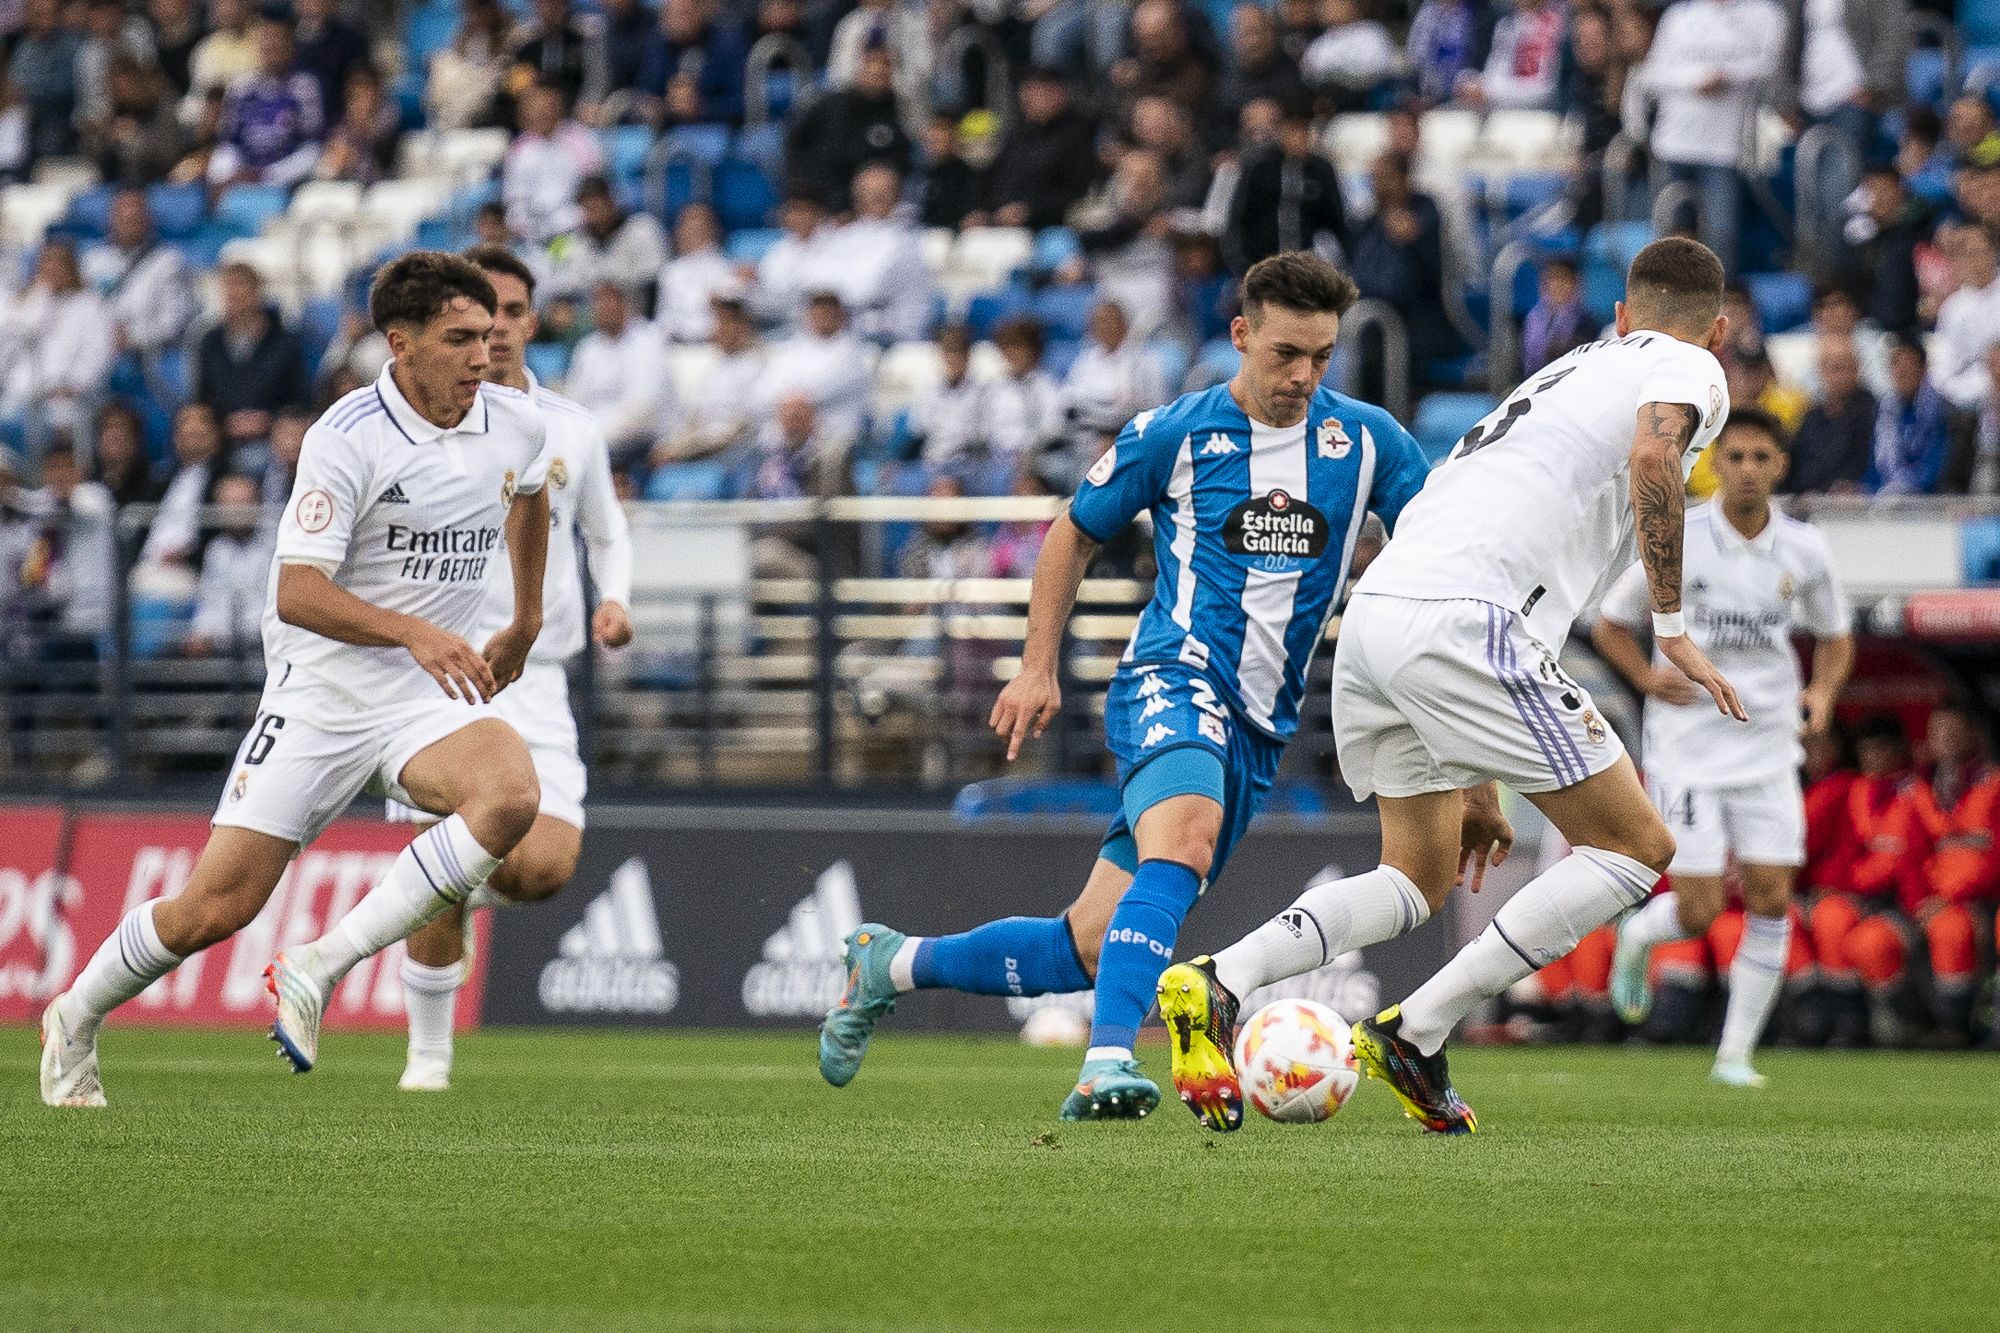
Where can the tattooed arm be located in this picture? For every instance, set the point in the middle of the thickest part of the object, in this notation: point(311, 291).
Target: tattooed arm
point(1658, 513)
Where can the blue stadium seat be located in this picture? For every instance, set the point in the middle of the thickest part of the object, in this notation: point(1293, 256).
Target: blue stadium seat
point(706, 480)
point(204, 247)
point(159, 623)
point(169, 372)
point(429, 30)
point(1783, 300)
point(707, 144)
point(319, 324)
point(743, 195)
point(749, 245)
point(1979, 21)
point(999, 797)
point(1219, 359)
point(625, 150)
point(438, 234)
point(89, 213)
point(1054, 247)
point(1607, 253)
point(685, 182)
point(1526, 191)
point(988, 308)
point(1174, 360)
point(177, 209)
point(1060, 355)
point(764, 145)
point(1065, 311)
point(1923, 76)
point(244, 209)
point(549, 361)
point(1442, 418)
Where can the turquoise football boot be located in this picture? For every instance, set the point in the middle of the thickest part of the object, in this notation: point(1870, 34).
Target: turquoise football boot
point(870, 996)
point(1111, 1090)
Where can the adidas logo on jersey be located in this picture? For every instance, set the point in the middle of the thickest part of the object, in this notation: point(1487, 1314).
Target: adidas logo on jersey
point(1156, 733)
point(1218, 443)
point(614, 961)
point(803, 971)
point(394, 495)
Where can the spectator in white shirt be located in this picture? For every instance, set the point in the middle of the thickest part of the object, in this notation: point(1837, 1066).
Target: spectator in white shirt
point(827, 365)
point(694, 277)
point(728, 403)
point(1024, 408)
point(1351, 57)
point(1112, 380)
point(176, 532)
point(1703, 74)
point(619, 372)
point(56, 349)
point(948, 420)
point(877, 261)
point(235, 568)
point(76, 561)
point(1521, 68)
point(1968, 323)
point(146, 283)
point(548, 162)
point(607, 245)
point(795, 264)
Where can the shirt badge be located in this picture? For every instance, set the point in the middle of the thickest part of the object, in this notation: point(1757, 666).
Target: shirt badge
point(1786, 587)
point(507, 488)
point(1333, 441)
point(559, 474)
point(1593, 726)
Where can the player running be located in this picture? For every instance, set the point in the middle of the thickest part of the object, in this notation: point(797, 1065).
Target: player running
point(581, 499)
point(397, 513)
point(1445, 679)
point(1257, 489)
point(1751, 577)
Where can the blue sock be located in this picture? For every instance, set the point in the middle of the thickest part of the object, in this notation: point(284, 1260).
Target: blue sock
point(1021, 955)
point(1138, 947)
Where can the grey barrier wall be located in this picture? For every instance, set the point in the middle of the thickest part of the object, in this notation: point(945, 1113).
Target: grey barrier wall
point(734, 918)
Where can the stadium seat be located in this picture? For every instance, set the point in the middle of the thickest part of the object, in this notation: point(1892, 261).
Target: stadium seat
point(549, 361)
point(1054, 247)
point(625, 150)
point(26, 212)
point(764, 145)
point(749, 245)
point(1794, 356)
point(906, 370)
point(1219, 360)
point(1173, 358)
point(743, 195)
point(319, 324)
point(687, 363)
point(1442, 418)
point(707, 144)
point(397, 206)
point(989, 255)
point(1783, 300)
point(1923, 76)
point(429, 30)
point(705, 480)
point(245, 209)
point(1059, 356)
point(177, 209)
point(987, 309)
point(89, 212)
point(465, 153)
point(1354, 141)
point(1448, 135)
point(329, 201)
point(1064, 311)
point(1979, 21)
point(1525, 191)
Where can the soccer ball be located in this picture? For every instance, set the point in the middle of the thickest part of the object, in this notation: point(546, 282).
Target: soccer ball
point(1294, 1061)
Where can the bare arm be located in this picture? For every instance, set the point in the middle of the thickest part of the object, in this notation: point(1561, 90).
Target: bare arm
point(1832, 664)
point(528, 554)
point(1658, 513)
point(1619, 647)
point(312, 601)
point(1032, 699)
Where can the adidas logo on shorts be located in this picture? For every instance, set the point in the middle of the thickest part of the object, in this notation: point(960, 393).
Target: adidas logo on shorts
point(803, 970)
point(614, 961)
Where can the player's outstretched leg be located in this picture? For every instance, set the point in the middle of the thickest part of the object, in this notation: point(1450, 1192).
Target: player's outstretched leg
point(869, 998)
point(1420, 1080)
point(69, 1063)
point(1200, 1014)
point(1678, 914)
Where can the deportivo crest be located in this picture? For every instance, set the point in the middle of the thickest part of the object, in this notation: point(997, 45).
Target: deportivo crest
point(559, 473)
point(507, 488)
point(1333, 441)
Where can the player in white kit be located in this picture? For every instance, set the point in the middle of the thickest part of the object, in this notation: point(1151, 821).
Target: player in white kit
point(1442, 684)
point(1750, 577)
point(403, 493)
point(581, 499)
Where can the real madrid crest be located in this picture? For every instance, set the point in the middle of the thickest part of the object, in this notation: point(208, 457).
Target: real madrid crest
point(559, 474)
point(1786, 587)
point(1593, 726)
point(1333, 441)
point(241, 785)
point(507, 488)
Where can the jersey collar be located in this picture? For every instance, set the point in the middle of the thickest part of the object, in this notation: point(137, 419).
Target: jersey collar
point(416, 428)
point(1727, 538)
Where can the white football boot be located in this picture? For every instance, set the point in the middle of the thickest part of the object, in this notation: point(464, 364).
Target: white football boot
point(300, 1007)
point(1736, 1074)
point(69, 1063)
point(425, 1072)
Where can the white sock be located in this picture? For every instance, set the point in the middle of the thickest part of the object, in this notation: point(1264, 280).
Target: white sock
point(1755, 978)
point(429, 994)
point(1658, 922)
point(1331, 917)
point(1107, 1053)
point(442, 866)
point(488, 896)
point(1539, 924)
point(125, 964)
point(902, 968)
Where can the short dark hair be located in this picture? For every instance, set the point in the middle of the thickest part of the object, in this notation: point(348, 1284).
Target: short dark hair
point(419, 286)
point(1914, 346)
point(1676, 281)
point(499, 259)
point(1021, 331)
point(1764, 423)
point(1297, 280)
point(1882, 727)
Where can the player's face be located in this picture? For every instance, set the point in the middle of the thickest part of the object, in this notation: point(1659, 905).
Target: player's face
point(446, 358)
point(1285, 352)
point(514, 326)
point(1748, 466)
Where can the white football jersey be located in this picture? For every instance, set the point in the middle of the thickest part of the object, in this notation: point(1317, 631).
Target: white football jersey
point(1744, 599)
point(581, 499)
point(1533, 508)
point(407, 516)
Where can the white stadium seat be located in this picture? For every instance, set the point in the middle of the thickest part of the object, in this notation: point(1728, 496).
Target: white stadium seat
point(1355, 140)
point(907, 370)
point(1528, 139)
point(1794, 356)
point(471, 153)
point(687, 363)
point(334, 201)
point(937, 247)
point(74, 174)
point(991, 254)
point(1446, 136)
point(398, 206)
point(26, 212)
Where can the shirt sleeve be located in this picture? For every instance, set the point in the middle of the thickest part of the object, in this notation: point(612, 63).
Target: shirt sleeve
point(536, 474)
point(1688, 374)
point(1127, 478)
point(1824, 612)
point(607, 537)
point(328, 493)
point(1629, 600)
point(1400, 469)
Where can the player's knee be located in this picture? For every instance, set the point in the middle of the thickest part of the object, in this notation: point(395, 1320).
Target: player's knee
point(530, 875)
point(210, 918)
point(506, 807)
point(1697, 912)
point(1652, 846)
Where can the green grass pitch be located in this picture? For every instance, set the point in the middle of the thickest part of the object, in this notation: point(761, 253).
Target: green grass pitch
point(601, 1182)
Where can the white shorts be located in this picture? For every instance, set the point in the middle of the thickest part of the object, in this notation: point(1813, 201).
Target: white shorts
point(312, 750)
point(1440, 695)
point(537, 706)
point(1763, 823)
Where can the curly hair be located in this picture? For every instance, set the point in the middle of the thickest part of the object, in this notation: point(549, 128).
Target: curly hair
point(420, 286)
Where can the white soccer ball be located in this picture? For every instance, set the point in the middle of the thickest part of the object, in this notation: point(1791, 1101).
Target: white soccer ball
point(1294, 1061)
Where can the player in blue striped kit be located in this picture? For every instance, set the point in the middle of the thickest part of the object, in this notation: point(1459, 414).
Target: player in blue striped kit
point(1257, 489)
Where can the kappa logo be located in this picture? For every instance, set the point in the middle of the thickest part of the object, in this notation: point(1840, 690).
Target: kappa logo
point(1218, 443)
point(394, 495)
point(1156, 705)
point(614, 961)
point(803, 973)
point(1156, 733)
point(1143, 420)
point(1152, 686)
point(1333, 441)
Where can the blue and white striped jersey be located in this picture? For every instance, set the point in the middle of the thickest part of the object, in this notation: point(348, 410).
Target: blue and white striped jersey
point(1253, 528)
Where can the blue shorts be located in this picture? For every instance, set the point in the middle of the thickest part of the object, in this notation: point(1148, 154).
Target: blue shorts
point(1172, 735)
